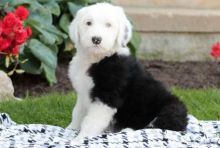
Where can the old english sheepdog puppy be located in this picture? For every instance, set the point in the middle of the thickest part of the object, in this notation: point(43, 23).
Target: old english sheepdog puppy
point(113, 90)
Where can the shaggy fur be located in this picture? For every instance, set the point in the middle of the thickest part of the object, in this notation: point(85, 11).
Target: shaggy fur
point(120, 82)
point(113, 91)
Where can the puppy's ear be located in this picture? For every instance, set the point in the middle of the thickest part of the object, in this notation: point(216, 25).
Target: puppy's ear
point(73, 27)
point(125, 28)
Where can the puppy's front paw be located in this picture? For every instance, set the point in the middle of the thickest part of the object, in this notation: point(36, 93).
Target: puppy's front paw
point(127, 130)
point(69, 127)
point(82, 135)
point(72, 125)
point(79, 139)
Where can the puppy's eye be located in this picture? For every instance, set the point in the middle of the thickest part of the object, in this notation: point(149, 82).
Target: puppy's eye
point(89, 23)
point(108, 25)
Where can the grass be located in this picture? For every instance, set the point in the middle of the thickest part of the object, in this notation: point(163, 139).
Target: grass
point(52, 109)
point(55, 109)
point(204, 104)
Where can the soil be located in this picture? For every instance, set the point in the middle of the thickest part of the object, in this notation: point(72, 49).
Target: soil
point(180, 74)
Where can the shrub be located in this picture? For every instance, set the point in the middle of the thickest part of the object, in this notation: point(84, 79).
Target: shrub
point(49, 20)
point(12, 35)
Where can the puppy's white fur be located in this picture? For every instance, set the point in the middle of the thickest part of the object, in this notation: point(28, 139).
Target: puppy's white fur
point(110, 23)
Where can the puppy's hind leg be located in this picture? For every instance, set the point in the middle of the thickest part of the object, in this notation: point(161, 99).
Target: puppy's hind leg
point(173, 116)
point(97, 119)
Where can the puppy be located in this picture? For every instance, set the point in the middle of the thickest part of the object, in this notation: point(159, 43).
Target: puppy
point(113, 90)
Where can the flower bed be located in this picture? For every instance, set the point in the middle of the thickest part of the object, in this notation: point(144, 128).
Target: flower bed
point(186, 75)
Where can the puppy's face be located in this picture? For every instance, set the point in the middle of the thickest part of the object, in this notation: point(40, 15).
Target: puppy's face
point(99, 28)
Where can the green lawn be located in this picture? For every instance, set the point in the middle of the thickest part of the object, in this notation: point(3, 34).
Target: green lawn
point(202, 103)
point(55, 109)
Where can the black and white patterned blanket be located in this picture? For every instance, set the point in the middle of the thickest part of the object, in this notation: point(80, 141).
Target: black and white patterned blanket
point(199, 134)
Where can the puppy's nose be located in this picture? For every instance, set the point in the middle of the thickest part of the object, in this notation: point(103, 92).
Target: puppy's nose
point(96, 40)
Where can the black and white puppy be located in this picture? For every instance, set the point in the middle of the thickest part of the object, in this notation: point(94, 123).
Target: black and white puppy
point(113, 90)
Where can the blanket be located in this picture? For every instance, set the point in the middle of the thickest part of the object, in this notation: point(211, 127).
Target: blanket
point(198, 134)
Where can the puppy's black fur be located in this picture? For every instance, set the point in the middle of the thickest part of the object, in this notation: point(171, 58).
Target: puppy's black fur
point(121, 82)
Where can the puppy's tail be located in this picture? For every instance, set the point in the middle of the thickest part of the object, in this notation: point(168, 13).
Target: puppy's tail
point(172, 116)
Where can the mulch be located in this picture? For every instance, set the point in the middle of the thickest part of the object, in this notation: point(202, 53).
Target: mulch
point(179, 74)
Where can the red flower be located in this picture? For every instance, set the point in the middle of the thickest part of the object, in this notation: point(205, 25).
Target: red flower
point(1, 27)
point(11, 20)
point(29, 31)
point(21, 36)
point(12, 31)
point(18, 28)
point(22, 13)
point(215, 51)
point(4, 44)
point(15, 50)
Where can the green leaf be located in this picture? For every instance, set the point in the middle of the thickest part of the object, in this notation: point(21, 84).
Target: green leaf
point(50, 74)
point(21, 49)
point(53, 29)
point(46, 36)
point(73, 8)
point(134, 43)
point(47, 57)
point(3, 3)
point(32, 65)
point(64, 22)
point(20, 2)
point(59, 40)
point(40, 13)
point(50, 34)
point(136, 39)
point(44, 1)
point(97, 1)
point(54, 48)
point(32, 22)
point(43, 53)
point(53, 7)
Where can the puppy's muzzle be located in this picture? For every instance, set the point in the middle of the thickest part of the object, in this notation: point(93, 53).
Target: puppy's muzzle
point(96, 40)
